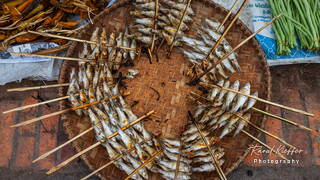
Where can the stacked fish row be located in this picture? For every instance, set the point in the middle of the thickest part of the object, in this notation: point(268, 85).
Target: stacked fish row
point(200, 47)
point(145, 21)
point(228, 108)
point(189, 154)
point(199, 153)
point(94, 82)
point(171, 13)
point(150, 26)
point(121, 48)
point(173, 155)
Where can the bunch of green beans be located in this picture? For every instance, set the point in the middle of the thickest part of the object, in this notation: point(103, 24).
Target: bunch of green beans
point(301, 19)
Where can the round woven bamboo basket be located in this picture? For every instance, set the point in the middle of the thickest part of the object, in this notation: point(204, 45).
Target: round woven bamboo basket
point(166, 76)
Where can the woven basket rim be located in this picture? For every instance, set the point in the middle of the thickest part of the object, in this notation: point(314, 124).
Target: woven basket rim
point(71, 49)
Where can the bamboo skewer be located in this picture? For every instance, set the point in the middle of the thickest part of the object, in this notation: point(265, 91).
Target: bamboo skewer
point(243, 6)
point(144, 164)
point(155, 23)
point(233, 50)
point(54, 57)
point(102, 167)
point(60, 112)
point(215, 161)
point(79, 40)
point(178, 161)
point(34, 105)
point(62, 145)
point(261, 100)
point(266, 113)
point(283, 119)
point(179, 26)
point(265, 145)
point(53, 114)
point(112, 161)
point(37, 87)
point(228, 15)
point(266, 132)
point(64, 163)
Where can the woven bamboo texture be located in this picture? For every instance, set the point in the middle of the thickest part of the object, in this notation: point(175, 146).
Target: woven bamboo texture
point(167, 77)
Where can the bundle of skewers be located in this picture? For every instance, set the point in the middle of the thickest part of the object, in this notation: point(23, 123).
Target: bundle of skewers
point(96, 96)
point(17, 17)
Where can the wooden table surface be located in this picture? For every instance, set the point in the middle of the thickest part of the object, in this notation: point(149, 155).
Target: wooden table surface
point(297, 86)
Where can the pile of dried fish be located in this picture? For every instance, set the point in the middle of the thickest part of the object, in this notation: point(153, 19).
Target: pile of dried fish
point(145, 21)
point(174, 19)
point(160, 20)
point(113, 49)
point(94, 94)
point(198, 48)
point(94, 82)
point(226, 108)
point(19, 16)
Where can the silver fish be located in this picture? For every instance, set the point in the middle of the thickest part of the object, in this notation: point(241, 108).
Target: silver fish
point(224, 117)
point(145, 39)
point(208, 159)
point(206, 167)
point(214, 25)
point(111, 151)
point(251, 102)
point(133, 45)
point(125, 42)
point(214, 91)
point(223, 92)
point(230, 126)
point(178, 15)
point(172, 165)
point(147, 6)
point(234, 61)
point(144, 21)
point(191, 42)
point(171, 175)
point(241, 99)
point(132, 73)
point(221, 71)
point(135, 163)
point(73, 87)
point(191, 130)
point(112, 40)
point(174, 157)
point(100, 136)
point(231, 95)
point(172, 142)
point(242, 123)
point(179, 6)
point(94, 37)
point(96, 76)
point(142, 14)
point(128, 169)
point(75, 102)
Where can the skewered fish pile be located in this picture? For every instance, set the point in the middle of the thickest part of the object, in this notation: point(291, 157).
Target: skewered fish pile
point(160, 20)
point(95, 95)
point(94, 82)
point(145, 21)
point(198, 48)
point(226, 109)
point(19, 16)
point(170, 19)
